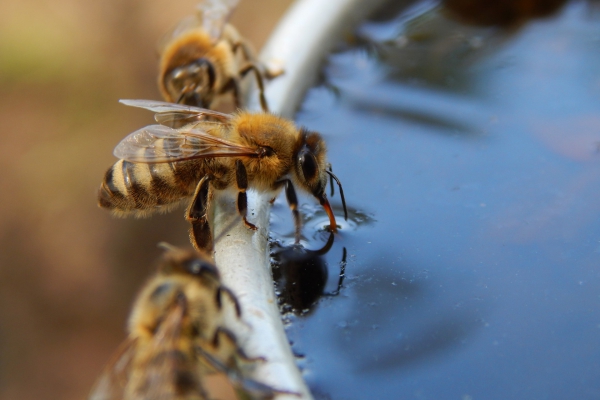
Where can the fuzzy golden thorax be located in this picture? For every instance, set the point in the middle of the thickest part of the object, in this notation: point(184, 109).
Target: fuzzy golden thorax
point(277, 135)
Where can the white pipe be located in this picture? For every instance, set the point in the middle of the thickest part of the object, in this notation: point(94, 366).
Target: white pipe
point(300, 42)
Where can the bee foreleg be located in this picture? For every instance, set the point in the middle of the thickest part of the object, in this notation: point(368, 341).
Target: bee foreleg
point(241, 178)
point(259, 81)
point(200, 234)
point(290, 194)
point(330, 169)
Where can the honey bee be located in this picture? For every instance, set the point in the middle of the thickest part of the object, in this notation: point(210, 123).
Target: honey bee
point(160, 165)
point(205, 57)
point(176, 338)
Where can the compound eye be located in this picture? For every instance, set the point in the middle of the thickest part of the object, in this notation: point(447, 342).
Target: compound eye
point(309, 165)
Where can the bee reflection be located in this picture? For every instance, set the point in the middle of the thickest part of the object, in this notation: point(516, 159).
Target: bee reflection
point(301, 276)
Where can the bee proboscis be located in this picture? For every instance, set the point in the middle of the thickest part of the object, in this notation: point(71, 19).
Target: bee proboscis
point(160, 165)
point(176, 338)
point(205, 57)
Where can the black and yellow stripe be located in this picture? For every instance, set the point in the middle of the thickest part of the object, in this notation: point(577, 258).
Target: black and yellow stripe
point(141, 188)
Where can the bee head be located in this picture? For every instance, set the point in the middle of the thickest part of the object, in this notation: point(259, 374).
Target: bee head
point(312, 171)
point(311, 163)
point(191, 84)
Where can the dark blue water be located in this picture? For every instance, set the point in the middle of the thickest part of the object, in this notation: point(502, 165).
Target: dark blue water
point(471, 168)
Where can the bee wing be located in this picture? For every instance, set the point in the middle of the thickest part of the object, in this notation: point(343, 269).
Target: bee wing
point(212, 17)
point(214, 14)
point(159, 143)
point(186, 24)
point(169, 113)
point(111, 383)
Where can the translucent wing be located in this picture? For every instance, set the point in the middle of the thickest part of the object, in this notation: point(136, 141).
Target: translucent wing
point(214, 15)
point(169, 113)
point(186, 24)
point(159, 143)
point(111, 383)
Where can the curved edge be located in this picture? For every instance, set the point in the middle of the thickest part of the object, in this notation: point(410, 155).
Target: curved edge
point(299, 44)
point(243, 259)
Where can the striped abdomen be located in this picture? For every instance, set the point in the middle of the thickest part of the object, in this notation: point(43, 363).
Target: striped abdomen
point(142, 188)
point(170, 374)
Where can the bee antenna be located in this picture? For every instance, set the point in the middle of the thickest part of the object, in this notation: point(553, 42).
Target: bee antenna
point(325, 248)
point(331, 179)
point(332, 175)
point(166, 246)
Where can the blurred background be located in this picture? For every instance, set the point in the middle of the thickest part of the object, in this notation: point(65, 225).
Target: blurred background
point(473, 137)
point(68, 270)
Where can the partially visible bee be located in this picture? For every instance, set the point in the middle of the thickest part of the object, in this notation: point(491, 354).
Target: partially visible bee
point(205, 57)
point(160, 166)
point(176, 337)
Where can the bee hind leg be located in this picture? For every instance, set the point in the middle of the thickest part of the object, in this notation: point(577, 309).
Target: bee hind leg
point(241, 178)
point(196, 214)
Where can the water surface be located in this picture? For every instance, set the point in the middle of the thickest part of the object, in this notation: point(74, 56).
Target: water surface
point(470, 158)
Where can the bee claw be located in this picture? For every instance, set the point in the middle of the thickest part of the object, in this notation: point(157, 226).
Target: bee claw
point(250, 225)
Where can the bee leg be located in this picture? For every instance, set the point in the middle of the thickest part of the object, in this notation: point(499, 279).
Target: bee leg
point(200, 234)
point(267, 71)
point(233, 86)
point(259, 81)
point(249, 387)
point(245, 387)
point(330, 169)
point(241, 179)
point(247, 55)
point(290, 194)
point(246, 52)
point(225, 290)
point(224, 337)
